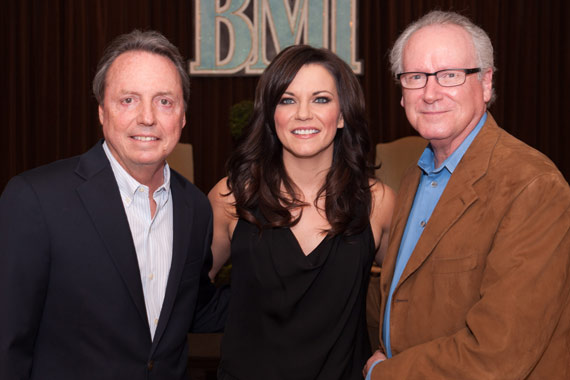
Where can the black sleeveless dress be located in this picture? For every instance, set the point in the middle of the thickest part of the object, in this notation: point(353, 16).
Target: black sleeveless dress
point(296, 317)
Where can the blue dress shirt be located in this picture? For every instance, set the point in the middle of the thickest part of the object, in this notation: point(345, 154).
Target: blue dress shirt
point(432, 184)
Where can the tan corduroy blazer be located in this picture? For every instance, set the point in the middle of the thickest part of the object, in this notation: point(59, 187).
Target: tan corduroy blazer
point(485, 294)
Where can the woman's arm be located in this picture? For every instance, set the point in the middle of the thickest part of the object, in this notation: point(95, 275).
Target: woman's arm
point(383, 199)
point(224, 224)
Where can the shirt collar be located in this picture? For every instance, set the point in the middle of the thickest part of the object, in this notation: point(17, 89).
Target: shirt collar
point(127, 184)
point(427, 159)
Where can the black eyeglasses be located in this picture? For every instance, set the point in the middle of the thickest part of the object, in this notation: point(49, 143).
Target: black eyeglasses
point(445, 78)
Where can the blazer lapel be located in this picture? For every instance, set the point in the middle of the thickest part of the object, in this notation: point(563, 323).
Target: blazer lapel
point(182, 226)
point(455, 200)
point(458, 195)
point(404, 201)
point(102, 200)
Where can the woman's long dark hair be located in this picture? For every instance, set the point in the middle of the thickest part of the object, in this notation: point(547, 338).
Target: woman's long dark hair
point(256, 174)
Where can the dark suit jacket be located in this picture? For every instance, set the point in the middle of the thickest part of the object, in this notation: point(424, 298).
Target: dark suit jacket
point(485, 294)
point(70, 288)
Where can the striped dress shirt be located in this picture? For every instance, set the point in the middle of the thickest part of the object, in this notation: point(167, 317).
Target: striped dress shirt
point(152, 236)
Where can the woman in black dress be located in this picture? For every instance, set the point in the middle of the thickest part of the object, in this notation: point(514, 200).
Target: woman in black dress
point(302, 217)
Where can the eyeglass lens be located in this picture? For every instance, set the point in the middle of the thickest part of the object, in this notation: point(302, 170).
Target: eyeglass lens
point(446, 78)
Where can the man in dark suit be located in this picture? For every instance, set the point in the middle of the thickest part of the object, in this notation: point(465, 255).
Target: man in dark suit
point(104, 258)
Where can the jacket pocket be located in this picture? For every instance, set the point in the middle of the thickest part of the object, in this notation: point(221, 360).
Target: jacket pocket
point(454, 265)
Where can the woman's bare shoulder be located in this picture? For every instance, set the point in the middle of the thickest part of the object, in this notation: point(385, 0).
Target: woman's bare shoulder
point(383, 199)
point(222, 200)
point(221, 192)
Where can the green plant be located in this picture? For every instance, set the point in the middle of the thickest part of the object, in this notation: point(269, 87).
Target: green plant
point(240, 114)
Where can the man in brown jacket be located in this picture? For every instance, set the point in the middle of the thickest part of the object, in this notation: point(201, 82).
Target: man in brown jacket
point(476, 281)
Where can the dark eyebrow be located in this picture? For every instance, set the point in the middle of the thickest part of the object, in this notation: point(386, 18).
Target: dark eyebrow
point(321, 91)
point(314, 93)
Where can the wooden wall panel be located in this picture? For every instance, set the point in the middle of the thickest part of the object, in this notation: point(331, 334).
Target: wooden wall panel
point(50, 50)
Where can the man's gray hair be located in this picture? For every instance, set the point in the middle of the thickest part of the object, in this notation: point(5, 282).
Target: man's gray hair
point(481, 41)
point(148, 41)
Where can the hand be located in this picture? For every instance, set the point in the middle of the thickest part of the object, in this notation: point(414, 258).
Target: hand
point(378, 355)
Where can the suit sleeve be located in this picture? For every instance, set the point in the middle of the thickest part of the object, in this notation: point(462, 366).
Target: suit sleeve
point(24, 272)
point(524, 290)
point(213, 303)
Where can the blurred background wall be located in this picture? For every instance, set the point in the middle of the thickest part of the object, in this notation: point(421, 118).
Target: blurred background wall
point(50, 49)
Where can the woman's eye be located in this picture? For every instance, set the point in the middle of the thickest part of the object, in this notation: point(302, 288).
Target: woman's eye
point(322, 99)
point(286, 101)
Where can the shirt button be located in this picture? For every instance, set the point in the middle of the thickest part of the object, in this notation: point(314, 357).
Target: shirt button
point(150, 364)
point(155, 321)
point(433, 184)
point(423, 223)
point(150, 276)
point(141, 189)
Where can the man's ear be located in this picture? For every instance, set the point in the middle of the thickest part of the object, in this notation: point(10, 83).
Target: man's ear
point(101, 115)
point(487, 83)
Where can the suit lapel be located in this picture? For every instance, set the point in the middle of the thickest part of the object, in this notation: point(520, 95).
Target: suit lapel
point(457, 197)
point(182, 226)
point(405, 200)
point(455, 200)
point(100, 195)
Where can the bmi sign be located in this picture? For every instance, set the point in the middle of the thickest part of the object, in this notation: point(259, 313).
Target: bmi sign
point(243, 36)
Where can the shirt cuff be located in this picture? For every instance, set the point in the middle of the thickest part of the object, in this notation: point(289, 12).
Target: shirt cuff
point(368, 376)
